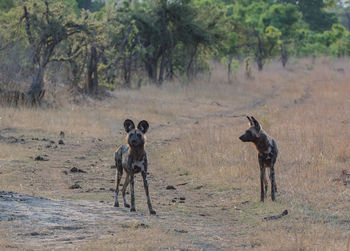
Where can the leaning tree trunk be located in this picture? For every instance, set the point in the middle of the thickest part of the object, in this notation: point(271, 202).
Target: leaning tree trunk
point(189, 68)
point(92, 77)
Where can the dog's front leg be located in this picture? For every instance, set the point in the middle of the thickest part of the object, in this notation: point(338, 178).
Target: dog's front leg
point(262, 177)
point(131, 173)
point(145, 184)
point(132, 209)
point(126, 183)
point(119, 176)
point(273, 182)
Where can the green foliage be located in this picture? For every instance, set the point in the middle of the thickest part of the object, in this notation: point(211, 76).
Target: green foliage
point(315, 14)
point(6, 5)
point(128, 40)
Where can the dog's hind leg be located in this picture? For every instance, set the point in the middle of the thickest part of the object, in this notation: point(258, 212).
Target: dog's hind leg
point(126, 183)
point(274, 179)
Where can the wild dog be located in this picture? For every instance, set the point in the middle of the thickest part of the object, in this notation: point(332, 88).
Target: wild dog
point(267, 154)
point(132, 158)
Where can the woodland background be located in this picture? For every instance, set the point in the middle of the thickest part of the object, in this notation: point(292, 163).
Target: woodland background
point(84, 45)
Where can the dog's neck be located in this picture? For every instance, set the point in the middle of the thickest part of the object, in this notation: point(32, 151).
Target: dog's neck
point(263, 144)
point(137, 153)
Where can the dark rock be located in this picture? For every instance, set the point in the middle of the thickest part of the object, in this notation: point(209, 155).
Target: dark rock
point(75, 186)
point(182, 198)
point(141, 225)
point(60, 142)
point(169, 187)
point(113, 166)
point(40, 158)
point(181, 231)
point(52, 142)
point(77, 170)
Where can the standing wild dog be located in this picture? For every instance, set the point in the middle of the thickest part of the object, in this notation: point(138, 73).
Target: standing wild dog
point(133, 159)
point(268, 152)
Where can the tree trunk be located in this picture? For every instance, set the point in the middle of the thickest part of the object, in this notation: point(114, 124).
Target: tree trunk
point(162, 68)
point(151, 65)
point(75, 73)
point(229, 69)
point(284, 54)
point(36, 91)
point(259, 55)
point(127, 71)
point(92, 77)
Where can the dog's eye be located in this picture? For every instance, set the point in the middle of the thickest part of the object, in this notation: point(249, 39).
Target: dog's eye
point(139, 136)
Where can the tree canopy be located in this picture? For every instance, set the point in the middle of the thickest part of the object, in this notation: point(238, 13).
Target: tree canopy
point(121, 42)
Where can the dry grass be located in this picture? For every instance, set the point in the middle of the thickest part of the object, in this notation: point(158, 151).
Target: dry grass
point(308, 113)
point(195, 130)
point(135, 238)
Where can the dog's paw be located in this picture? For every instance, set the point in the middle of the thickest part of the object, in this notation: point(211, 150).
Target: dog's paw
point(152, 212)
point(132, 210)
point(126, 205)
point(116, 204)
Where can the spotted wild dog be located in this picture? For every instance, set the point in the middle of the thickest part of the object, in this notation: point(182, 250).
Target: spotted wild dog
point(132, 159)
point(267, 154)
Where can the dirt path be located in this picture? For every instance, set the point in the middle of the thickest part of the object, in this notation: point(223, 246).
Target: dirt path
point(191, 214)
point(35, 222)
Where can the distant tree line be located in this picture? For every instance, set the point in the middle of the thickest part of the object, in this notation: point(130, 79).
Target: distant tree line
point(120, 42)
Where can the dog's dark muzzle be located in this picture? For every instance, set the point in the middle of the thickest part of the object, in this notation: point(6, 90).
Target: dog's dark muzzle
point(244, 138)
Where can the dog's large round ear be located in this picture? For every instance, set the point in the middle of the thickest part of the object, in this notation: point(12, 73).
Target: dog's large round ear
point(250, 121)
point(143, 126)
point(256, 124)
point(129, 125)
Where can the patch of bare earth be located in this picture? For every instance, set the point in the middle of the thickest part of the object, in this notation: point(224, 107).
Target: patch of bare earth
point(204, 182)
